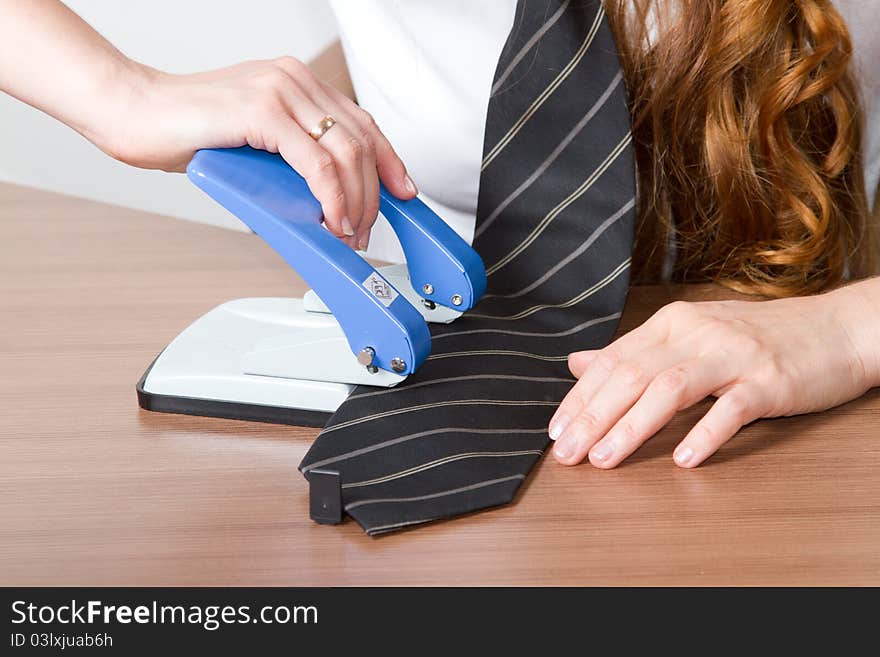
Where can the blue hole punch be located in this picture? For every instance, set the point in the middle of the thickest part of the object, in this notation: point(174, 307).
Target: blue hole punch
point(296, 360)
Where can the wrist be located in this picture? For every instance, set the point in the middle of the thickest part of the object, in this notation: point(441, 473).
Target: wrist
point(122, 94)
point(858, 311)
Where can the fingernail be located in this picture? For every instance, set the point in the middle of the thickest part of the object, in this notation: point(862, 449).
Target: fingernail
point(346, 227)
point(603, 451)
point(558, 426)
point(410, 185)
point(364, 242)
point(565, 447)
point(683, 455)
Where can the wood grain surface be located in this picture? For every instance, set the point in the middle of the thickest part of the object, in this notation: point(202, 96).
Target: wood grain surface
point(95, 491)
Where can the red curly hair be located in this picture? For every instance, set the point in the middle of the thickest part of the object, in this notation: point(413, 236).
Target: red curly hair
point(747, 129)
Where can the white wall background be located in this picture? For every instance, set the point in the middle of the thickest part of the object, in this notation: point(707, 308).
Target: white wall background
point(174, 35)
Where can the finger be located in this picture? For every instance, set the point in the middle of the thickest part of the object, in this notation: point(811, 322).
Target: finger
point(670, 391)
point(318, 168)
point(363, 216)
point(391, 168)
point(346, 113)
point(628, 344)
point(347, 153)
point(620, 390)
point(597, 367)
point(649, 334)
point(625, 347)
point(368, 134)
point(579, 361)
point(740, 405)
point(350, 241)
point(378, 157)
point(342, 146)
point(371, 194)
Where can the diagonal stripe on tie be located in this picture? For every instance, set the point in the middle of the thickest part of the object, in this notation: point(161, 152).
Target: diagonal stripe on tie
point(554, 225)
point(548, 91)
point(501, 78)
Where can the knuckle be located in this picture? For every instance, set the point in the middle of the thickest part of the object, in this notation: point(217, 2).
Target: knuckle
point(274, 77)
point(706, 436)
point(266, 104)
point(289, 63)
point(323, 165)
point(673, 381)
point(779, 370)
point(627, 433)
point(631, 374)
point(370, 129)
point(717, 332)
point(571, 404)
point(286, 60)
point(737, 404)
point(656, 329)
point(371, 210)
point(640, 338)
point(588, 421)
point(676, 309)
point(368, 144)
point(608, 358)
point(746, 344)
point(336, 195)
point(352, 151)
point(368, 120)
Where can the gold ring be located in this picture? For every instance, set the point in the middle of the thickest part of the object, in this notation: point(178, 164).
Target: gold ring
point(323, 126)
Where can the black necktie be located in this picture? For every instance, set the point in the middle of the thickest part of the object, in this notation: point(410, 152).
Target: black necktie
point(554, 228)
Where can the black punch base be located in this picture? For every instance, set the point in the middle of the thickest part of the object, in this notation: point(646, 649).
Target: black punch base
point(227, 409)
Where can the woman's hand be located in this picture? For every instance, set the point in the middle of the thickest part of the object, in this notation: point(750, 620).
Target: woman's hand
point(157, 120)
point(270, 105)
point(760, 359)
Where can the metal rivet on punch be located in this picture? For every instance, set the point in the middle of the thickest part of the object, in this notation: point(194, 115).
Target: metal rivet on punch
point(398, 365)
point(456, 299)
point(365, 356)
point(427, 288)
point(427, 303)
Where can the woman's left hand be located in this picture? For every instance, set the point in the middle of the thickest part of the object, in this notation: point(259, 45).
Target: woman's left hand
point(759, 358)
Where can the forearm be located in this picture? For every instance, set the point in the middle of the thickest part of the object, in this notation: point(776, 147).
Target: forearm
point(53, 60)
point(858, 309)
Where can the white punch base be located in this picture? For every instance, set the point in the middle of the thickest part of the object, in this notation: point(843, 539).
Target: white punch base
point(266, 351)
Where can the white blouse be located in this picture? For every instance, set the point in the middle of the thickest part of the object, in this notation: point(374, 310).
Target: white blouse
point(424, 69)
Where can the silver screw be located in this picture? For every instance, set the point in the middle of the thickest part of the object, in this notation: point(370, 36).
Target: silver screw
point(427, 303)
point(427, 288)
point(456, 299)
point(398, 365)
point(365, 356)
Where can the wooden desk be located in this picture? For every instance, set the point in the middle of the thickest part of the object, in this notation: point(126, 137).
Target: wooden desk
point(95, 491)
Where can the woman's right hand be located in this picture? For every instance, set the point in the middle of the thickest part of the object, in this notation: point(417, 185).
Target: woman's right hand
point(159, 120)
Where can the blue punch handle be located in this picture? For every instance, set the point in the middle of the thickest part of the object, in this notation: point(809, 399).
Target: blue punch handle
point(263, 191)
point(438, 258)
